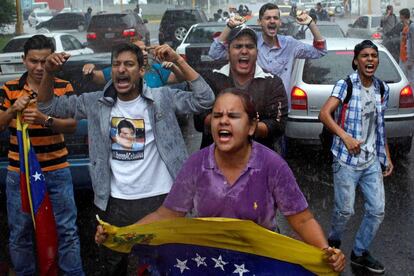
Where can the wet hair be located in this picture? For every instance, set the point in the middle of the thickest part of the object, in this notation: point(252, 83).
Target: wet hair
point(359, 47)
point(405, 13)
point(128, 47)
point(265, 7)
point(219, 11)
point(246, 100)
point(38, 42)
point(389, 7)
point(125, 124)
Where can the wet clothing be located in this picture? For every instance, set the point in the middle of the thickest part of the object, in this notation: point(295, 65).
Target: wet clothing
point(269, 97)
point(52, 153)
point(156, 76)
point(265, 185)
point(388, 22)
point(274, 60)
point(163, 102)
point(353, 122)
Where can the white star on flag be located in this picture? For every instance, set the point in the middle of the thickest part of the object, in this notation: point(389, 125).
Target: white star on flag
point(199, 260)
point(240, 269)
point(37, 176)
point(219, 262)
point(182, 265)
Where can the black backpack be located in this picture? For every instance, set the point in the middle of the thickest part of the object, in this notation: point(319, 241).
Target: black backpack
point(326, 135)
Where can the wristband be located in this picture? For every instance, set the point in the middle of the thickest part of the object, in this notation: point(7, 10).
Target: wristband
point(228, 26)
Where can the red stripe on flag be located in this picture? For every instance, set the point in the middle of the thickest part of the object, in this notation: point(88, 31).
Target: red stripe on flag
point(46, 238)
point(24, 194)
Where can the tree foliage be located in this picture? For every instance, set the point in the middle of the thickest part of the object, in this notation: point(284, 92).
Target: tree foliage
point(7, 12)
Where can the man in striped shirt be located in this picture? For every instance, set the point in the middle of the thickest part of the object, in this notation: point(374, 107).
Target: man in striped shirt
point(46, 137)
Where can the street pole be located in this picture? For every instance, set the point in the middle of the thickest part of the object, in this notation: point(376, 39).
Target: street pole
point(122, 6)
point(369, 7)
point(19, 21)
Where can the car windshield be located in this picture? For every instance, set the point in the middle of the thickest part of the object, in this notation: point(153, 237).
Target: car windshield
point(337, 64)
point(203, 34)
point(16, 45)
point(331, 31)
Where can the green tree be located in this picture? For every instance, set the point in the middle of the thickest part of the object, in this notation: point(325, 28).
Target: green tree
point(7, 12)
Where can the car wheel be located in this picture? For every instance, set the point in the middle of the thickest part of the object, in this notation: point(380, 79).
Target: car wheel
point(338, 9)
point(81, 28)
point(180, 33)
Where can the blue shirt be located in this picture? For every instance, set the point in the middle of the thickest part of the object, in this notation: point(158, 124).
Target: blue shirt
point(277, 61)
point(353, 119)
point(155, 77)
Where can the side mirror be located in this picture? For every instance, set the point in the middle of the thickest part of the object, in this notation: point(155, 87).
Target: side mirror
point(145, 21)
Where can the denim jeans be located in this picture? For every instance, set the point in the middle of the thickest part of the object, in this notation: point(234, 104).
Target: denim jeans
point(371, 184)
point(60, 189)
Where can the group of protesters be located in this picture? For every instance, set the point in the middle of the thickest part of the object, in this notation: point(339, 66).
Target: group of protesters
point(140, 168)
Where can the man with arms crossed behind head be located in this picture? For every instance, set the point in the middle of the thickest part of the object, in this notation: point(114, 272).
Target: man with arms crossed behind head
point(129, 183)
point(276, 53)
point(46, 137)
point(360, 150)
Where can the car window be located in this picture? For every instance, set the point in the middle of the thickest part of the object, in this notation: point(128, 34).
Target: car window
point(16, 45)
point(43, 14)
point(67, 43)
point(111, 20)
point(336, 65)
point(361, 22)
point(203, 34)
point(75, 42)
point(375, 21)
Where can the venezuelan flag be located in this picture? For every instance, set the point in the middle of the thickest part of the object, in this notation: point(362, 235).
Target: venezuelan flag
point(35, 200)
point(214, 246)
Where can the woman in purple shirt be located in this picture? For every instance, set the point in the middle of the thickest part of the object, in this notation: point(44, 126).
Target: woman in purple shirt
point(238, 178)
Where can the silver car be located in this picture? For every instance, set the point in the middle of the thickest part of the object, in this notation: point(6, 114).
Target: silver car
point(367, 27)
point(312, 83)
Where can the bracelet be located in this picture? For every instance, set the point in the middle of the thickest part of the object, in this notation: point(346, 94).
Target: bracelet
point(310, 22)
point(228, 26)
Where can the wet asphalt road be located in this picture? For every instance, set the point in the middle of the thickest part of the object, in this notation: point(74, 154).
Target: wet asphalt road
point(394, 244)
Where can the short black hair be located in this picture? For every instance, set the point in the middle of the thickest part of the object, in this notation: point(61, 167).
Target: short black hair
point(125, 124)
point(128, 47)
point(38, 42)
point(359, 47)
point(265, 7)
point(405, 13)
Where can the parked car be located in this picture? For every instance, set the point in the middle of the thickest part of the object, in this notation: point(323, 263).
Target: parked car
point(176, 22)
point(64, 21)
point(77, 143)
point(367, 27)
point(334, 8)
point(108, 29)
point(11, 55)
point(38, 15)
point(284, 10)
point(312, 83)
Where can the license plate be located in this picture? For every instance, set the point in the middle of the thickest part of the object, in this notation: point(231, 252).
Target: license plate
point(12, 68)
point(110, 35)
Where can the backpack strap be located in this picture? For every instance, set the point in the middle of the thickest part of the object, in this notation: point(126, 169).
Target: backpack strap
point(382, 88)
point(348, 96)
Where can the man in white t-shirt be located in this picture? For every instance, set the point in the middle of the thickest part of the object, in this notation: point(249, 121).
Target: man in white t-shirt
point(135, 144)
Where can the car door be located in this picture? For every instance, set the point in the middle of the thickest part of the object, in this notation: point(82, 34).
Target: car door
point(71, 45)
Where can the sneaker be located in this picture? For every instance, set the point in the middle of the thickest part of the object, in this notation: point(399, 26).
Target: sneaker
point(367, 261)
point(334, 243)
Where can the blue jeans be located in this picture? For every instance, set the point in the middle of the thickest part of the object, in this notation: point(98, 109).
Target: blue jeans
point(60, 189)
point(371, 184)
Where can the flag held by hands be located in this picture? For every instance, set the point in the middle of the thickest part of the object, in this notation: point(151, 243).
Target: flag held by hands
point(35, 200)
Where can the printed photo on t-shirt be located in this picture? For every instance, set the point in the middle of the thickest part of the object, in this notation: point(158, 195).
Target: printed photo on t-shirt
point(128, 138)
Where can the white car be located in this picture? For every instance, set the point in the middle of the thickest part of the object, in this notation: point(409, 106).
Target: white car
point(11, 56)
point(39, 15)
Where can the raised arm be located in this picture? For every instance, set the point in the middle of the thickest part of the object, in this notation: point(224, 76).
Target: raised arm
point(98, 76)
